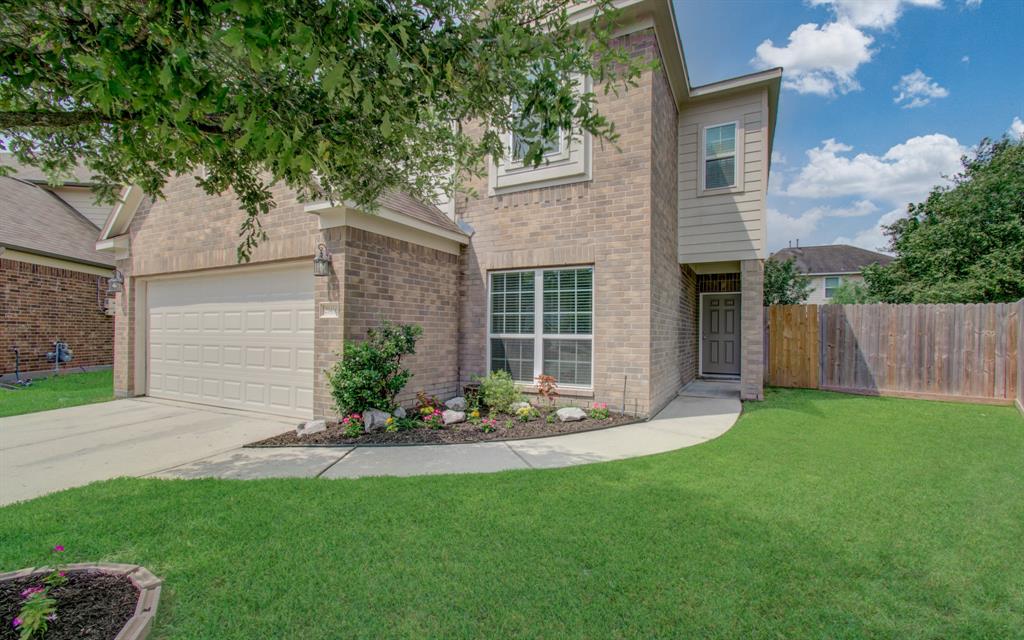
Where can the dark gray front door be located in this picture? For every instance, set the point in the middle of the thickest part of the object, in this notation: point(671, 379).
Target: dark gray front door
point(720, 334)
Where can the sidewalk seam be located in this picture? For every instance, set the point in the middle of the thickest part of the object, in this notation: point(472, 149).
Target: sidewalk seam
point(331, 466)
point(518, 455)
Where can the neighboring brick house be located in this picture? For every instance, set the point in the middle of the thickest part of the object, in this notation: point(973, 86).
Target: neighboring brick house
point(624, 272)
point(53, 281)
point(829, 266)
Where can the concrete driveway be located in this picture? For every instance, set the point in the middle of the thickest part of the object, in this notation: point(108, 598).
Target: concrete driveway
point(54, 450)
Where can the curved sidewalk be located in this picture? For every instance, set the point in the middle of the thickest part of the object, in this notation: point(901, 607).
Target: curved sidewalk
point(686, 421)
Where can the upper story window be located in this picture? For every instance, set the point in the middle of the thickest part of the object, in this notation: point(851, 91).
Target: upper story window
point(831, 284)
point(567, 159)
point(720, 156)
point(721, 161)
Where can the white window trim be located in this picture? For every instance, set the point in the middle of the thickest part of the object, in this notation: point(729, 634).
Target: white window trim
point(738, 154)
point(825, 287)
point(538, 336)
point(562, 154)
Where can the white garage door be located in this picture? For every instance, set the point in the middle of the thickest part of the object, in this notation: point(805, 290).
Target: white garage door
point(242, 340)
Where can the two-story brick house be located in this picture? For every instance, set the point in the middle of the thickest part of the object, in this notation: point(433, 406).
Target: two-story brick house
point(625, 273)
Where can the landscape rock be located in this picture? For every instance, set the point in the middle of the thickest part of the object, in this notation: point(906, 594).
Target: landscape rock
point(457, 403)
point(453, 417)
point(375, 420)
point(400, 412)
point(311, 427)
point(571, 414)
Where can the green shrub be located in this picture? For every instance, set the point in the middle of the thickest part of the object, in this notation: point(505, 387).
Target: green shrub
point(599, 411)
point(526, 414)
point(498, 391)
point(370, 374)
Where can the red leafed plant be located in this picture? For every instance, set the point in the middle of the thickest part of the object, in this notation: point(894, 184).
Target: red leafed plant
point(547, 387)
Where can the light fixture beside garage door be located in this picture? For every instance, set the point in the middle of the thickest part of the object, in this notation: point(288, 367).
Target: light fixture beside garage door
point(116, 283)
point(322, 261)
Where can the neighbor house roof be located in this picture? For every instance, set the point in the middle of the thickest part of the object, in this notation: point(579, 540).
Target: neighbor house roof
point(81, 175)
point(34, 220)
point(833, 258)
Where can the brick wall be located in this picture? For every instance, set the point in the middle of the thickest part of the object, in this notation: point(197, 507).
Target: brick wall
point(605, 222)
point(388, 279)
point(752, 358)
point(669, 346)
point(690, 325)
point(40, 304)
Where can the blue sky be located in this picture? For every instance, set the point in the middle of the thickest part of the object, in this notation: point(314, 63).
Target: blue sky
point(881, 98)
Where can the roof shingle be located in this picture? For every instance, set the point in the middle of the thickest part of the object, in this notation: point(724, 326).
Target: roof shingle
point(833, 258)
point(34, 220)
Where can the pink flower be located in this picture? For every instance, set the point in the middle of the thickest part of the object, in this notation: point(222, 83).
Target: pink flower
point(31, 591)
point(16, 623)
point(61, 574)
point(52, 617)
point(59, 548)
point(600, 405)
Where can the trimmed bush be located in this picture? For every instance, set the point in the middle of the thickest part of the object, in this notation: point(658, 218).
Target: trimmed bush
point(370, 374)
point(498, 391)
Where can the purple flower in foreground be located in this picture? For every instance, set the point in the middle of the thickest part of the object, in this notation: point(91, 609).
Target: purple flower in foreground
point(16, 623)
point(59, 548)
point(52, 617)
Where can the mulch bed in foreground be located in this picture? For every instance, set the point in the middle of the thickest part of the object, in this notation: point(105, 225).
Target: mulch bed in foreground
point(91, 604)
point(461, 433)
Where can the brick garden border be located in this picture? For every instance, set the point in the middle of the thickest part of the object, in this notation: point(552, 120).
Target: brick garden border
point(140, 624)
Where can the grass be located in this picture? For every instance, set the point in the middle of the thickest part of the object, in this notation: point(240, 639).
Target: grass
point(57, 392)
point(817, 516)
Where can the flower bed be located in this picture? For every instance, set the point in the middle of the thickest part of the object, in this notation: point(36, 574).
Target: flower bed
point(540, 422)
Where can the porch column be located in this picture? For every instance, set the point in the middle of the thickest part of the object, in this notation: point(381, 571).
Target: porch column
point(752, 296)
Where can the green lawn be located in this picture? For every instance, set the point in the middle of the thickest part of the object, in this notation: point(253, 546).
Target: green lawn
point(817, 516)
point(57, 392)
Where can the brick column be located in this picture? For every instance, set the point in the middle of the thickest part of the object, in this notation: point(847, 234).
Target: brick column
point(328, 327)
point(124, 339)
point(752, 290)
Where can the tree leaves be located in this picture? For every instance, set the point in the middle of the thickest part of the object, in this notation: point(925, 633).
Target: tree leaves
point(964, 243)
point(363, 95)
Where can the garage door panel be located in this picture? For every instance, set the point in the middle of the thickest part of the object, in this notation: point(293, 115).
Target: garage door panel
point(242, 340)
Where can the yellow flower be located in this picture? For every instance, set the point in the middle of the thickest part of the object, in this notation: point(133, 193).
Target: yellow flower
point(389, 420)
point(475, 414)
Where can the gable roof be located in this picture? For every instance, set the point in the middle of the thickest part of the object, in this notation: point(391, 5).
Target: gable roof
point(833, 258)
point(36, 221)
point(406, 204)
point(81, 175)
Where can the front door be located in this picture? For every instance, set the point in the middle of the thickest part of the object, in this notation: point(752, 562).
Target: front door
point(720, 333)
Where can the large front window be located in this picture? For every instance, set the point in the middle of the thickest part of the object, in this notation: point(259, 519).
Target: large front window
point(541, 322)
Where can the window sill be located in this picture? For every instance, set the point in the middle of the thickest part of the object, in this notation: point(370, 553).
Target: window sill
point(721, 191)
point(563, 392)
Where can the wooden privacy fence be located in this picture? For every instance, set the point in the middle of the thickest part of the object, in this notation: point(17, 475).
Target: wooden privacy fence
point(941, 351)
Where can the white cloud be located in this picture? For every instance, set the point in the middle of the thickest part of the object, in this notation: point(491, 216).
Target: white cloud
point(785, 228)
point(1017, 128)
point(873, 238)
point(972, 4)
point(873, 14)
point(904, 173)
point(819, 60)
point(778, 158)
point(916, 90)
point(965, 59)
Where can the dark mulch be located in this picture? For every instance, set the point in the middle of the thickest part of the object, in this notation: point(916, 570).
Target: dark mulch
point(91, 604)
point(453, 434)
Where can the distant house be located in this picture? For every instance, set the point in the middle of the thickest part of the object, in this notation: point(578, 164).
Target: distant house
point(830, 266)
point(53, 281)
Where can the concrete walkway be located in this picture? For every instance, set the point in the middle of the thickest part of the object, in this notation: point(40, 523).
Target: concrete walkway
point(53, 450)
point(686, 421)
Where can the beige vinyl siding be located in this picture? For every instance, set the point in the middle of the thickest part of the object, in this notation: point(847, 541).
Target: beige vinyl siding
point(84, 201)
point(723, 226)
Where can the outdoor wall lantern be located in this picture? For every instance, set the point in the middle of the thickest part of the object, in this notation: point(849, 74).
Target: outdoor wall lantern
point(116, 282)
point(322, 261)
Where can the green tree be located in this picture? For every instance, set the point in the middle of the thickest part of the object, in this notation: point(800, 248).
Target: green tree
point(337, 98)
point(965, 243)
point(852, 292)
point(783, 283)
